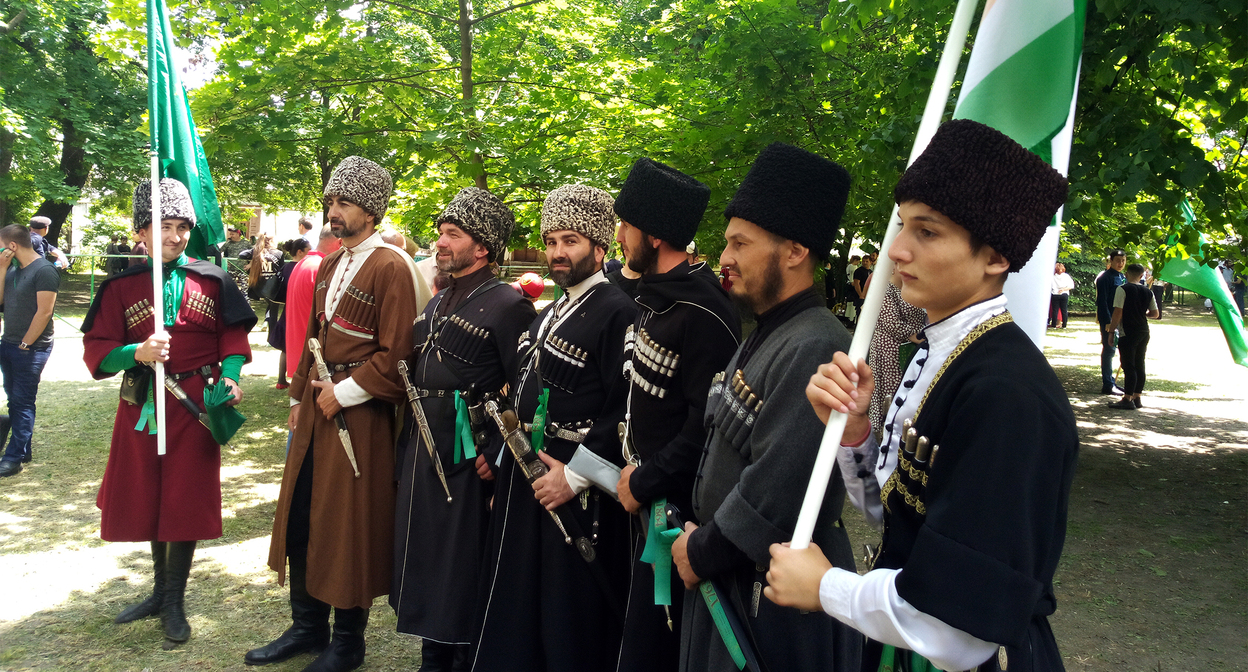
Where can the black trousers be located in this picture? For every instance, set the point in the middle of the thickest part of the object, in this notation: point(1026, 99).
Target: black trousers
point(1058, 309)
point(1131, 349)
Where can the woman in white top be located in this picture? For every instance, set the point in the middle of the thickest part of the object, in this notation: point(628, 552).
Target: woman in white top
point(1060, 288)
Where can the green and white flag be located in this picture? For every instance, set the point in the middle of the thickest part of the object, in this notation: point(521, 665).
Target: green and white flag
point(1189, 272)
point(173, 134)
point(1021, 80)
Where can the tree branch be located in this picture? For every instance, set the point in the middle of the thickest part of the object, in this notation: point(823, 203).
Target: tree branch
point(8, 27)
point(495, 13)
point(418, 11)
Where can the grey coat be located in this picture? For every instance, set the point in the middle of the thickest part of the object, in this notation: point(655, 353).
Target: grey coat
point(749, 489)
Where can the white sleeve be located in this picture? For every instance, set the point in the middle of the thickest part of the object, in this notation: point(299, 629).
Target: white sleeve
point(870, 604)
point(857, 471)
point(575, 481)
point(1152, 302)
point(349, 393)
point(1120, 297)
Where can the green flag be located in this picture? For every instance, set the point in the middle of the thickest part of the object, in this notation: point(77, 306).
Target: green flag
point(1189, 273)
point(1022, 79)
point(174, 138)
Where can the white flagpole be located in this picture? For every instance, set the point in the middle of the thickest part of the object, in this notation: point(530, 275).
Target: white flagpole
point(870, 312)
point(156, 247)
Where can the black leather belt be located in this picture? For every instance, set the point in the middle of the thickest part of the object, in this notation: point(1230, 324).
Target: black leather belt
point(423, 393)
point(568, 431)
point(338, 368)
point(205, 371)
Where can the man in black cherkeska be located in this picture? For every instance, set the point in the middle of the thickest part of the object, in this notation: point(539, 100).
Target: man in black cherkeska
point(979, 445)
point(684, 334)
point(551, 606)
point(465, 337)
point(763, 437)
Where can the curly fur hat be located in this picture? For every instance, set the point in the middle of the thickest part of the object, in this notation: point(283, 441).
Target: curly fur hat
point(175, 201)
point(481, 215)
point(662, 202)
point(362, 182)
point(795, 195)
point(988, 184)
point(585, 210)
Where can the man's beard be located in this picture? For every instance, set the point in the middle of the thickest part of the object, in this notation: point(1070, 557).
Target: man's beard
point(346, 231)
point(645, 258)
point(768, 295)
point(455, 263)
point(579, 270)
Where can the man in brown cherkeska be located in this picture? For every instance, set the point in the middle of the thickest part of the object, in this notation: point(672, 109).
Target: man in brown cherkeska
point(335, 527)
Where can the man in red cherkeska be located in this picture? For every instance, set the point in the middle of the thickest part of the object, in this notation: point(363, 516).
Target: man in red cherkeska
point(171, 500)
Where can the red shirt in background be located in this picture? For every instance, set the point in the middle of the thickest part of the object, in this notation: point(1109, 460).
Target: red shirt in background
point(299, 292)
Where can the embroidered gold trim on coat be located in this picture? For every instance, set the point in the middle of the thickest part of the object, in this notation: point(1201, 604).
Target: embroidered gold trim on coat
point(916, 474)
point(983, 328)
point(894, 483)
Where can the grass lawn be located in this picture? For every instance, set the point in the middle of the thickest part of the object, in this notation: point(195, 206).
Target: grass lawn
point(1153, 577)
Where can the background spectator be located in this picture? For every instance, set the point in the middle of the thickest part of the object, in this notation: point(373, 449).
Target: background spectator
point(28, 295)
point(1059, 305)
point(1133, 305)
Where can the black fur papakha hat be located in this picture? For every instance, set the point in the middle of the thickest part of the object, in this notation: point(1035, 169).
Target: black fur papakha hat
point(662, 202)
point(987, 184)
point(175, 201)
point(794, 194)
point(362, 182)
point(481, 215)
point(585, 210)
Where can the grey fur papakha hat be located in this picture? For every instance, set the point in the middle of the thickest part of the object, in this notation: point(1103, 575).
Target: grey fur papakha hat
point(586, 210)
point(362, 182)
point(481, 215)
point(989, 185)
point(175, 201)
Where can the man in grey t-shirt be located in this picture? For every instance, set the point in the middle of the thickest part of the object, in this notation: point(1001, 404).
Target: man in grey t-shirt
point(28, 297)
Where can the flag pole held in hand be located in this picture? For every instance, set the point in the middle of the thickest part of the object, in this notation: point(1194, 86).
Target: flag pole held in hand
point(870, 313)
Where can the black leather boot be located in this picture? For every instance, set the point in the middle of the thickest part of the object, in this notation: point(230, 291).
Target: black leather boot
point(177, 569)
point(462, 661)
point(436, 656)
point(346, 650)
point(151, 606)
point(309, 630)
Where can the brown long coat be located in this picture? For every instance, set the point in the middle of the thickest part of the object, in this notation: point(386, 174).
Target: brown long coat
point(351, 533)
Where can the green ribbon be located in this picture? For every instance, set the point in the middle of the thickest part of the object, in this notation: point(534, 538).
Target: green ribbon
point(148, 415)
point(721, 623)
point(889, 661)
point(537, 438)
point(175, 283)
point(464, 447)
point(658, 551)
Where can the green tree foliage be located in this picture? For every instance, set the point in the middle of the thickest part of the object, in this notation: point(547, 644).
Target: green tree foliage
point(67, 113)
point(1163, 116)
point(520, 96)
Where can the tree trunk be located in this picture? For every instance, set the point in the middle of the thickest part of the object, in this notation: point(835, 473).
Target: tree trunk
point(6, 164)
point(465, 78)
point(76, 169)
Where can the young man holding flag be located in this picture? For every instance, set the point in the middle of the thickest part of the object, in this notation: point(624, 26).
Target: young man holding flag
point(175, 499)
point(979, 447)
